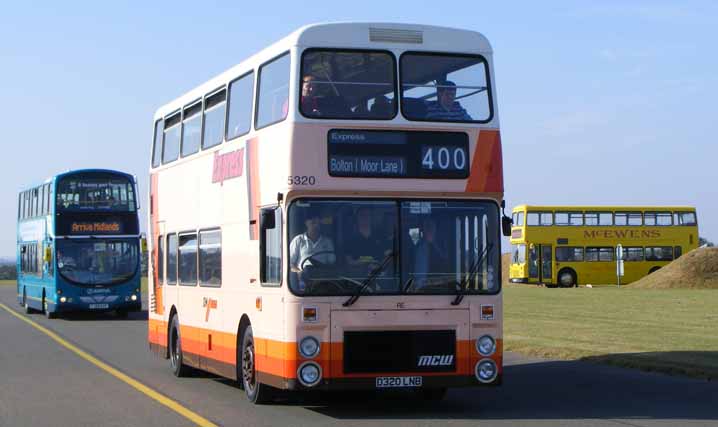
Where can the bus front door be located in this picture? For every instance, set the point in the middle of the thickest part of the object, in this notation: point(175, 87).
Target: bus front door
point(540, 263)
point(546, 272)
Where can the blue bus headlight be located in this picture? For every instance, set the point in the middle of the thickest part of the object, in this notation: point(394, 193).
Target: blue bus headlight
point(486, 371)
point(309, 374)
point(133, 297)
point(309, 347)
point(63, 299)
point(486, 345)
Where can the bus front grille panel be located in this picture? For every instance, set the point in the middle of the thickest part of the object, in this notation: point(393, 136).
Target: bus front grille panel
point(399, 351)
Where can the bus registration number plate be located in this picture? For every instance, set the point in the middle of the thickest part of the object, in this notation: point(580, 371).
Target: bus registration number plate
point(99, 306)
point(387, 382)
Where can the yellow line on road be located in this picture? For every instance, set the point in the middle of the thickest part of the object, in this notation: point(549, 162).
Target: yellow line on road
point(190, 415)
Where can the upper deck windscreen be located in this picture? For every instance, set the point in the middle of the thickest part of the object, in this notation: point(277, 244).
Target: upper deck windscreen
point(348, 84)
point(95, 192)
point(445, 88)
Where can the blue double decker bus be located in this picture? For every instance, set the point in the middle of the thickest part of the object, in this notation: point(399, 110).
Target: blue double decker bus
point(78, 244)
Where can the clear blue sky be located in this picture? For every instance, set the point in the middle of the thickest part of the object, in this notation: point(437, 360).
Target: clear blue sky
point(614, 100)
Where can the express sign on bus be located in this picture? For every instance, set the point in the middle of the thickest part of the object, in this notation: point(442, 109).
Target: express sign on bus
point(354, 153)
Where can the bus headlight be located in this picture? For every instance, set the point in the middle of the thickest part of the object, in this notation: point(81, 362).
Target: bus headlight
point(133, 297)
point(309, 347)
point(63, 299)
point(486, 345)
point(486, 371)
point(309, 374)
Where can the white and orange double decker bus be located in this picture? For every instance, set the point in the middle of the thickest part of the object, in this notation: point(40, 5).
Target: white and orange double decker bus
point(326, 215)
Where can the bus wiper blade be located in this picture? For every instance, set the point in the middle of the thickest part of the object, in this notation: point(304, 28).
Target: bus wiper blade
point(470, 275)
point(370, 278)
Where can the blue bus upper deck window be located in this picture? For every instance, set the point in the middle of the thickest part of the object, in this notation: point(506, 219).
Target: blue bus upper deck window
point(96, 192)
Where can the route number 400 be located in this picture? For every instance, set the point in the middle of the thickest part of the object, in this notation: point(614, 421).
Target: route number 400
point(444, 158)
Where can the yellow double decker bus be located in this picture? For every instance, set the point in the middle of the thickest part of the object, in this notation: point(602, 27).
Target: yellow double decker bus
point(568, 245)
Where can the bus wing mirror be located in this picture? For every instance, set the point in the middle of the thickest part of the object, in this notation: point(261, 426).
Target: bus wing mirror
point(506, 223)
point(267, 220)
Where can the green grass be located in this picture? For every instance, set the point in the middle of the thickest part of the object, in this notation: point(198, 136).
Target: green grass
point(7, 282)
point(672, 331)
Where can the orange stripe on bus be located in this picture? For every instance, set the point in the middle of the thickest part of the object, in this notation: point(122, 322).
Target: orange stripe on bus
point(487, 164)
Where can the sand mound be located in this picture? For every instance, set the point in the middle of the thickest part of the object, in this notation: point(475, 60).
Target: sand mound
point(698, 269)
point(505, 262)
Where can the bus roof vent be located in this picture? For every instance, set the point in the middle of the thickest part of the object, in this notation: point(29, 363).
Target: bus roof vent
point(390, 35)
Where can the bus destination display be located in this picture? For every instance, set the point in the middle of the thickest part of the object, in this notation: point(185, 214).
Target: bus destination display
point(398, 154)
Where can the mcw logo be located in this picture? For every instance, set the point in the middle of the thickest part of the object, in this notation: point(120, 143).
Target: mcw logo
point(436, 360)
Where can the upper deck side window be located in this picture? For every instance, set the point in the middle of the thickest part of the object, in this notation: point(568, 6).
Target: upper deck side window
point(239, 115)
point(171, 138)
point(215, 106)
point(445, 87)
point(273, 96)
point(685, 218)
point(539, 218)
point(157, 143)
point(191, 129)
point(348, 84)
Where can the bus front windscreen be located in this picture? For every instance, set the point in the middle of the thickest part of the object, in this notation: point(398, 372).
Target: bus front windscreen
point(96, 192)
point(363, 247)
point(97, 261)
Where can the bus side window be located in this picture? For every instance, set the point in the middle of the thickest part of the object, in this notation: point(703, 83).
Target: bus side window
point(273, 91)
point(239, 115)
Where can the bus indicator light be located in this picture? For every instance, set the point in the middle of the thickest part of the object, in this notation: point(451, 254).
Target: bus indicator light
point(310, 314)
point(487, 312)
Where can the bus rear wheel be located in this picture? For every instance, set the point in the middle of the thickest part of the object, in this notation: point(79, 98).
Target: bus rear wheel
point(179, 369)
point(256, 391)
point(567, 278)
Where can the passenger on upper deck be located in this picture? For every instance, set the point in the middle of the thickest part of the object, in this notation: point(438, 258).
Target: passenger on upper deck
point(445, 107)
point(317, 101)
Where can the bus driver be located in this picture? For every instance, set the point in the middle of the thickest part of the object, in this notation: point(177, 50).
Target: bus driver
point(304, 246)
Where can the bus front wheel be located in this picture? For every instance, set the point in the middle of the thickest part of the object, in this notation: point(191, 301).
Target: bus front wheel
point(46, 308)
point(179, 369)
point(567, 278)
point(28, 309)
point(256, 391)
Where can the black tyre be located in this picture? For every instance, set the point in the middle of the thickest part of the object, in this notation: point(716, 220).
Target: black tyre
point(567, 278)
point(256, 391)
point(179, 369)
point(28, 309)
point(46, 308)
point(654, 269)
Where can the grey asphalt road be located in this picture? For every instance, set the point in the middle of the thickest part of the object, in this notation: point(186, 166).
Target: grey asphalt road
point(42, 383)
